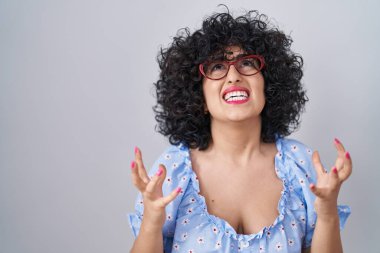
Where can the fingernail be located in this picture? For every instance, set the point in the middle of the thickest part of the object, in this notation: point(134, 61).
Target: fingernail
point(312, 186)
point(179, 189)
point(136, 150)
point(348, 155)
point(159, 172)
point(133, 164)
point(337, 141)
point(335, 170)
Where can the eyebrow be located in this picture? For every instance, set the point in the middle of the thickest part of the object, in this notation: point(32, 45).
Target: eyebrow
point(223, 57)
point(236, 57)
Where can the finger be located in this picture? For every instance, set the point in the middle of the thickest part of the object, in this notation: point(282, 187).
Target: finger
point(167, 199)
point(320, 192)
point(347, 170)
point(317, 164)
point(162, 176)
point(341, 151)
point(339, 145)
point(339, 162)
point(153, 183)
point(141, 168)
point(136, 179)
point(334, 180)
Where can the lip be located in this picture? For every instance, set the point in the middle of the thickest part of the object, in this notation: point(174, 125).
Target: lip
point(235, 88)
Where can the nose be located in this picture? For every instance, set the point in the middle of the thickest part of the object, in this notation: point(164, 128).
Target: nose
point(233, 76)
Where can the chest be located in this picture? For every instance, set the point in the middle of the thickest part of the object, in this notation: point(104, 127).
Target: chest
point(246, 198)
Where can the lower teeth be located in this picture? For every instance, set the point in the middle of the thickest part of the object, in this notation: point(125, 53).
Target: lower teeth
point(236, 99)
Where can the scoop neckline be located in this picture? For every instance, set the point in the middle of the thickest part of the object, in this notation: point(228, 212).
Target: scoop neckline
point(222, 224)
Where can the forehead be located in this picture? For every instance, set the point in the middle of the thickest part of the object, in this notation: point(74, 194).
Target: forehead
point(228, 53)
point(232, 51)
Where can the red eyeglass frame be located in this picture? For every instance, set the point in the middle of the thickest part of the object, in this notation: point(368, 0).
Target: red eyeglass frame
point(261, 59)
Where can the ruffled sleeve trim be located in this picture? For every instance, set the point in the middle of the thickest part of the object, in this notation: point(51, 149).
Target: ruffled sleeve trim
point(135, 223)
point(343, 212)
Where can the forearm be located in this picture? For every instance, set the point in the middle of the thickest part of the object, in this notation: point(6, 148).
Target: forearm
point(149, 240)
point(326, 236)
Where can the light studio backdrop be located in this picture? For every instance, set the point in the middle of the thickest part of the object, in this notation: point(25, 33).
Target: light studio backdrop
point(76, 92)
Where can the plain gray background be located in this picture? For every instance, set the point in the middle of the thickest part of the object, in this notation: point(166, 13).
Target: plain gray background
point(76, 96)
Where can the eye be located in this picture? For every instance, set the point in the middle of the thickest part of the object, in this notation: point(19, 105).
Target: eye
point(216, 66)
point(249, 63)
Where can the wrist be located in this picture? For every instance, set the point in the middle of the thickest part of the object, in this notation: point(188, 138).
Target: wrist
point(150, 227)
point(330, 218)
point(326, 209)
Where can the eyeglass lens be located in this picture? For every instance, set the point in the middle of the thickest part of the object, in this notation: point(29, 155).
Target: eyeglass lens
point(245, 66)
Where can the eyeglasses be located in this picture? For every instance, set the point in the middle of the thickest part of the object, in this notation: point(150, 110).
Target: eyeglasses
point(247, 66)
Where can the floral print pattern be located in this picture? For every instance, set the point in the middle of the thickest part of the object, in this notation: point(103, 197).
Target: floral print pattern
point(190, 228)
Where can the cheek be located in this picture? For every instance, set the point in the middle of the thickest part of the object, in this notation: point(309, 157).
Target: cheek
point(206, 94)
point(261, 84)
point(204, 89)
point(260, 91)
point(210, 91)
point(263, 98)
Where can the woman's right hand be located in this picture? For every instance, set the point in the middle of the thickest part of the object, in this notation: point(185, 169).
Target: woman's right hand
point(151, 190)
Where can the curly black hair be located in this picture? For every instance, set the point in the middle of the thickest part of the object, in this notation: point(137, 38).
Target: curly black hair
point(180, 101)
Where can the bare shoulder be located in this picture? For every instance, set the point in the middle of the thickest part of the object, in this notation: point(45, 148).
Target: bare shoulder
point(269, 149)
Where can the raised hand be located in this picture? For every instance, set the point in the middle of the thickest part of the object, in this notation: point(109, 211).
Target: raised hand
point(329, 183)
point(151, 190)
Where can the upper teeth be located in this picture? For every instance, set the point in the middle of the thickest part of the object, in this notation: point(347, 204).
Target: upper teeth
point(235, 95)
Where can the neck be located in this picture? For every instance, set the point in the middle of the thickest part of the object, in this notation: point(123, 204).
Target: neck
point(236, 140)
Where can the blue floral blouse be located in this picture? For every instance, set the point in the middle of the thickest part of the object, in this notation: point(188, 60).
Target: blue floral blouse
point(190, 228)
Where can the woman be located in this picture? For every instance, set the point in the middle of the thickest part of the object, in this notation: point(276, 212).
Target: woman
point(227, 96)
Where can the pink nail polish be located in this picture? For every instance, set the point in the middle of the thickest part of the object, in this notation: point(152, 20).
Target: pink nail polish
point(159, 172)
point(179, 189)
point(335, 170)
point(133, 164)
point(337, 141)
point(136, 150)
point(348, 155)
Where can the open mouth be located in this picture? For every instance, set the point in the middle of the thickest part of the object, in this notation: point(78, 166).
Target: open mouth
point(236, 96)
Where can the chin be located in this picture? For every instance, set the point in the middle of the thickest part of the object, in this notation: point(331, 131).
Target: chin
point(242, 118)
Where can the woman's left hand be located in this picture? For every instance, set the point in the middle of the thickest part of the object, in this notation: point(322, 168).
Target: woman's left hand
point(329, 183)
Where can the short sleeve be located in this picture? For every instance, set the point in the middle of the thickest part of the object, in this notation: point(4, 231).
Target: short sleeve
point(173, 159)
point(305, 174)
